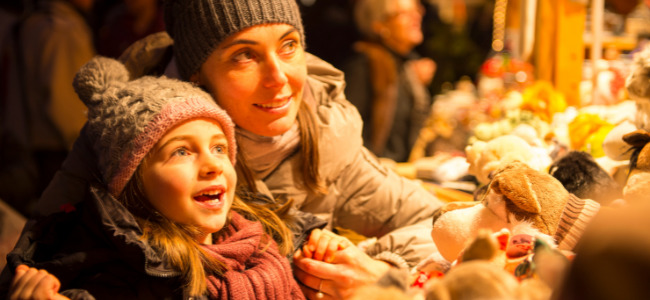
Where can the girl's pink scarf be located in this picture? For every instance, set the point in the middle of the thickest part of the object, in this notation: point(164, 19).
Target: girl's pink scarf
point(255, 271)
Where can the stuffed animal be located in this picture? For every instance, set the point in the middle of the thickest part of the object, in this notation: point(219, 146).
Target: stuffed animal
point(480, 279)
point(517, 196)
point(474, 280)
point(637, 187)
point(486, 157)
point(582, 176)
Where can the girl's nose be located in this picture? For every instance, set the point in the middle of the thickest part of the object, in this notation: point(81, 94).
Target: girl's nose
point(210, 166)
point(274, 74)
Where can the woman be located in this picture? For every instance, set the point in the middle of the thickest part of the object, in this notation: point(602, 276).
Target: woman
point(299, 138)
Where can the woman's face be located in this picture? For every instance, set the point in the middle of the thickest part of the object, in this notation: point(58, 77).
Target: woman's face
point(257, 75)
point(189, 178)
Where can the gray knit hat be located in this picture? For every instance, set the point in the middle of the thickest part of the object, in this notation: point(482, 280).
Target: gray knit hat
point(199, 26)
point(127, 118)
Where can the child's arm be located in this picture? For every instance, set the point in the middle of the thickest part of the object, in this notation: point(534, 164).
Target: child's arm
point(31, 283)
point(322, 245)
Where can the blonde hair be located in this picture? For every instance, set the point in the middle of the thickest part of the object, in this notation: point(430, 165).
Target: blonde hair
point(176, 243)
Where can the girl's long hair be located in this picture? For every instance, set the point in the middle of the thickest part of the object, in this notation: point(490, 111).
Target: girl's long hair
point(177, 244)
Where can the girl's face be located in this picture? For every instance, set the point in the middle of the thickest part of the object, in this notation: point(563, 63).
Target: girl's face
point(189, 178)
point(257, 75)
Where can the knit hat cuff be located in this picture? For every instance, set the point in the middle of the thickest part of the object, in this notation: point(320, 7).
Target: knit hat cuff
point(198, 27)
point(171, 115)
point(575, 218)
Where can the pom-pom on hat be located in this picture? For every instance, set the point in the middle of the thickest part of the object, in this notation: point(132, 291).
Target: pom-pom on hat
point(199, 26)
point(127, 118)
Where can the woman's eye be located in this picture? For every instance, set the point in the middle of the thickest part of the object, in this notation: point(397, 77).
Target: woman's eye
point(289, 47)
point(242, 56)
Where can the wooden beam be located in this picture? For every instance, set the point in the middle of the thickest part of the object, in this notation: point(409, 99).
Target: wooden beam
point(570, 49)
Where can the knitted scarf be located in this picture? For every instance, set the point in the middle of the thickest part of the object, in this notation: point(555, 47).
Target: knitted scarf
point(256, 270)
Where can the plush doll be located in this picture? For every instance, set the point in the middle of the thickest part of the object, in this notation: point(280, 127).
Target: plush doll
point(521, 255)
point(486, 157)
point(582, 176)
point(517, 196)
point(637, 187)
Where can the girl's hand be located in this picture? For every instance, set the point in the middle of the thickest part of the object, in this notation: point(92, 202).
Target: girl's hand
point(31, 283)
point(323, 244)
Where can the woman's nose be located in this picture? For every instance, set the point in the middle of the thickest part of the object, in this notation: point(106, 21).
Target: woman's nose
point(274, 73)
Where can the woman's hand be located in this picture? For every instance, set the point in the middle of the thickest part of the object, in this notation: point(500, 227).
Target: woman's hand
point(31, 283)
point(323, 244)
point(349, 270)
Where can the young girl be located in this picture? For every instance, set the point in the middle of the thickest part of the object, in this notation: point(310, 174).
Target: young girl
point(165, 220)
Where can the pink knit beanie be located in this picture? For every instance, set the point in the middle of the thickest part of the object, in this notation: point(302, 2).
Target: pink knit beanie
point(127, 118)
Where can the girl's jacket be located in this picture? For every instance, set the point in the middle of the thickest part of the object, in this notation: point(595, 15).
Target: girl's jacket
point(95, 251)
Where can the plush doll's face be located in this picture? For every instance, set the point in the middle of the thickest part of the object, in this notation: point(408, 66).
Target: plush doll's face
point(519, 245)
point(452, 230)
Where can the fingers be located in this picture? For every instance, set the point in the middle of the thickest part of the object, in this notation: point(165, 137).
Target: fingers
point(323, 244)
point(31, 283)
point(315, 268)
point(21, 269)
point(330, 251)
point(23, 286)
point(47, 287)
point(313, 285)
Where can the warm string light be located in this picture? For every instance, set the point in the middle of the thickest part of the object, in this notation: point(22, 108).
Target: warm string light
point(499, 19)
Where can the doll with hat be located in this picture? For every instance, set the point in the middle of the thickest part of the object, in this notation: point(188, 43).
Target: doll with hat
point(517, 197)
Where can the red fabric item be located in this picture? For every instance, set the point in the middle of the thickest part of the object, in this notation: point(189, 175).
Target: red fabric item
point(255, 271)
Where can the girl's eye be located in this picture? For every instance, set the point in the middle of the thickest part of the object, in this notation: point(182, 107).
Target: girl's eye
point(180, 152)
point(220, 149)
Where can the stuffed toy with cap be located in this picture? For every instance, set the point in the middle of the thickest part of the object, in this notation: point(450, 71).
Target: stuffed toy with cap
point(517, 196)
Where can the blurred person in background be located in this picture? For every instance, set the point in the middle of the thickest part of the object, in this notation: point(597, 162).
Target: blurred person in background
point(386, 80)
point(41, 114)
point(127, 22)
